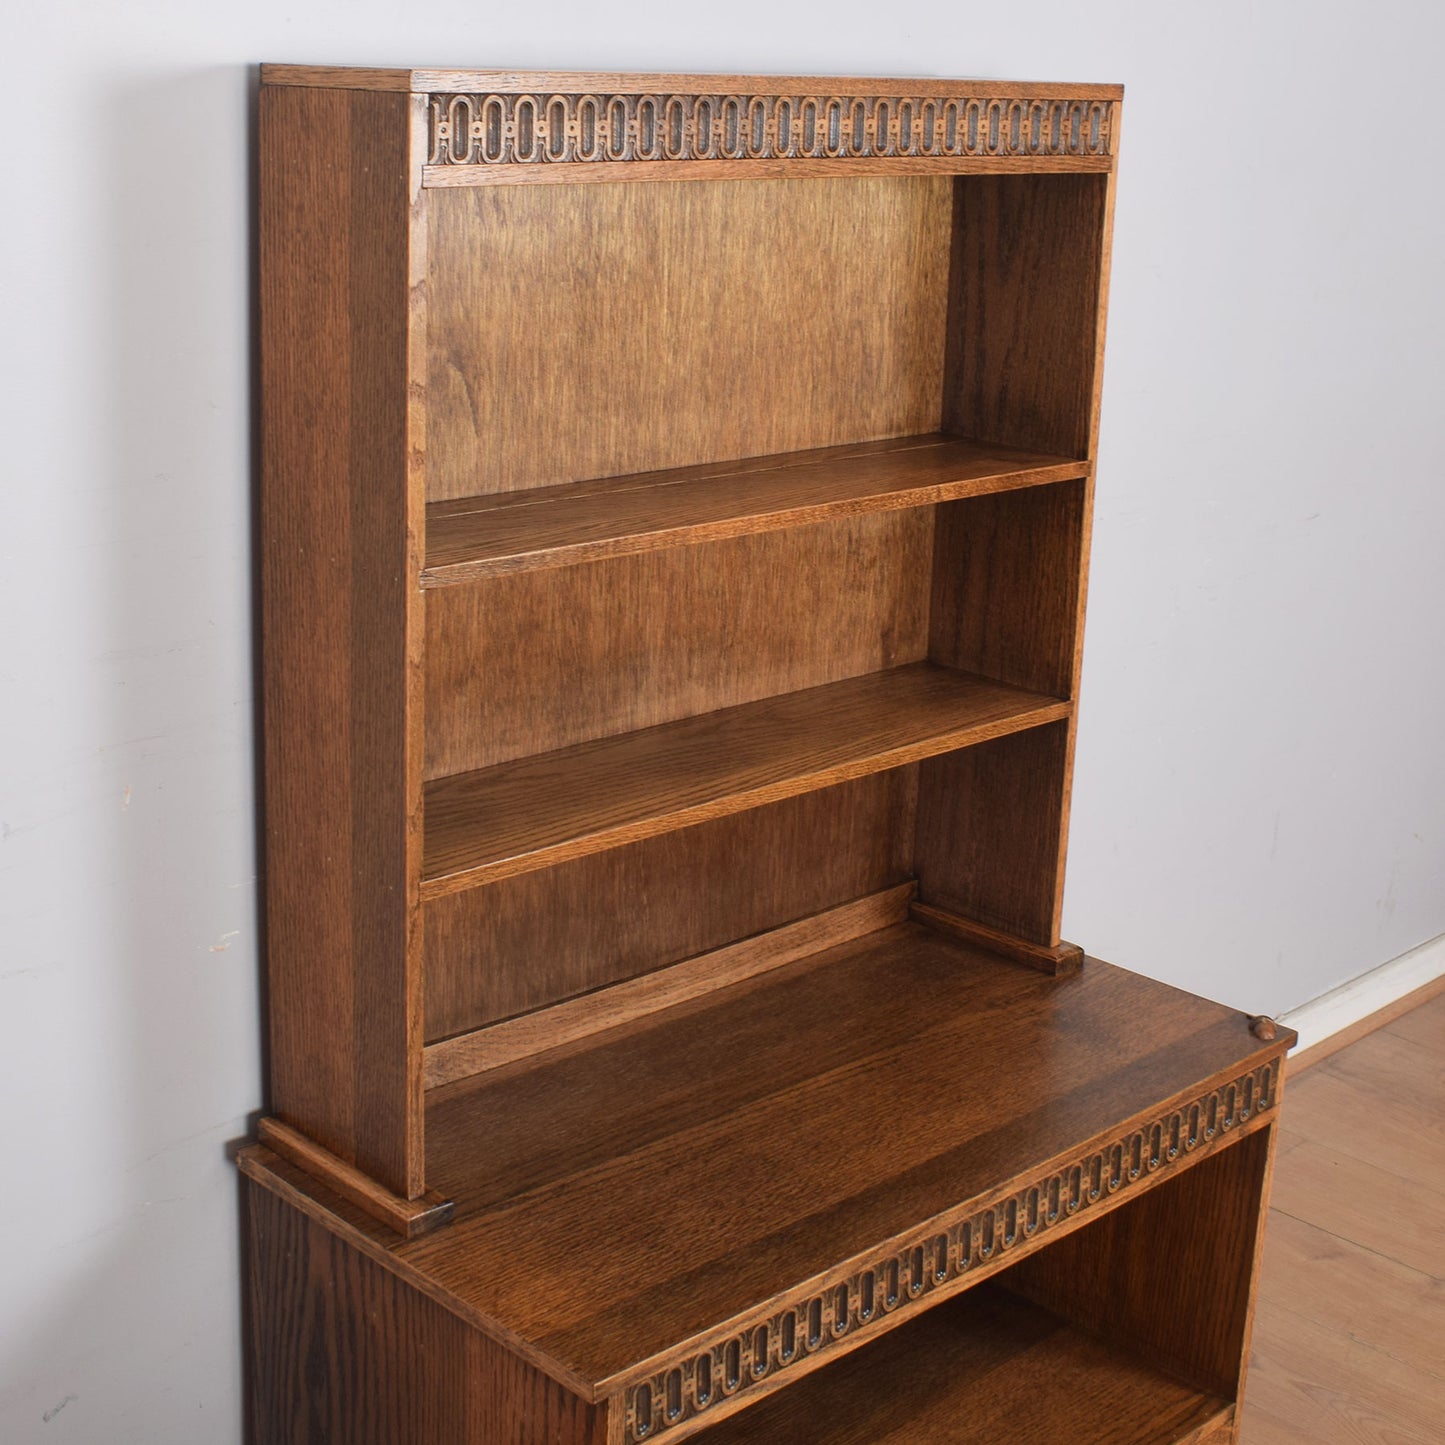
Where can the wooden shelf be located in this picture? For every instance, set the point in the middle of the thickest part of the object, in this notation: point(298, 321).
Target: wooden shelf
point(618, 1197)
point(518, 816)
point(987, 1369)
point(585, 521)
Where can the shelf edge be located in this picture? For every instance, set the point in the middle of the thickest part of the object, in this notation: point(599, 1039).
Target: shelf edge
point(569, 554)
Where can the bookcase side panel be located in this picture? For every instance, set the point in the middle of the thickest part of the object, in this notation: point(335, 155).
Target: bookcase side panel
point(340, 606)
point(342, 1350)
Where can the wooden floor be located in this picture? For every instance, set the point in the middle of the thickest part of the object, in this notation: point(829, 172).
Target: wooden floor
point(1349, 1340)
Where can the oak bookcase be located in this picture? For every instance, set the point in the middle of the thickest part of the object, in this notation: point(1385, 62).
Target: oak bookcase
point(675, 513)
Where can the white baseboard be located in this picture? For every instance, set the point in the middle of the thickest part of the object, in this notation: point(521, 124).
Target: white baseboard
point(1349, 1004)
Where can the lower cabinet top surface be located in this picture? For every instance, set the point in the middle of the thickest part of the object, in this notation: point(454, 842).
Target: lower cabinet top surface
point(822, 1149)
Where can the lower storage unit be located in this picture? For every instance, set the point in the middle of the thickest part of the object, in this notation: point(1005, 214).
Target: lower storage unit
point(1132, 1329)
point(1044, 1225)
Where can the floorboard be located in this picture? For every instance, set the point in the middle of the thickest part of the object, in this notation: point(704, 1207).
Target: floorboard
point(1369, 1122)
point(1424, 1025)
point(1349, 1338)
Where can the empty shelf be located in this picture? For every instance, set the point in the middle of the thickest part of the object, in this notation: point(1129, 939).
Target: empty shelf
point(586, 521)
point(545, 809)
point(986, 1369)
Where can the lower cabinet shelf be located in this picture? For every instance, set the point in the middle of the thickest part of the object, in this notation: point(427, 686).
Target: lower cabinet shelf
point(986, 1368)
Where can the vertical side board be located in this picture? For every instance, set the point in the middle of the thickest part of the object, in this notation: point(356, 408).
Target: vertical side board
point(343, 1351)
point(342, 521)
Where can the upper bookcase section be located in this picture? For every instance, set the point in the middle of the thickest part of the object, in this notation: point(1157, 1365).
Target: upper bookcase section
point(507, 127)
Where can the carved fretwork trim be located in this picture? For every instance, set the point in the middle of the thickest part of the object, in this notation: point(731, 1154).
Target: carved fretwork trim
point(939, 1259)
point(496, 129)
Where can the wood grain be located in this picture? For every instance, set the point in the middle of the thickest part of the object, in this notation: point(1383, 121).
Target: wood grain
point(339, 540)
point(1025, 321)
point(453, 177)
point(343, 1351)
point(538, 811)
point(1383, 1211)
point(1373, 1120)
point(627, 1193)
point(1008, 586)
point(529, 81)
point(1062, 958)
point(580, 522)
point(407, 1216)
point(1423, 1025)
point(1007, 571)
point(552, 934)
point(1355, 1292)
point(756, 549)
point(1412, 1075)
point(679, 297)
point(1258, 1426)
point(990, 833)
point(1347, 1341)
point(1170, 1278)
point(634, 999)
point(1027, 295)
point(980, 1370)
point(1335, 1388)
point(538, 661)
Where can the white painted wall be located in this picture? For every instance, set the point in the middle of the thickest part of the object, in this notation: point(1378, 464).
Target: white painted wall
point(1260, 803)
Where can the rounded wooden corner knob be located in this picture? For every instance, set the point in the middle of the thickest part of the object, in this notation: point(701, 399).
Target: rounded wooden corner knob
point(1263, 1027)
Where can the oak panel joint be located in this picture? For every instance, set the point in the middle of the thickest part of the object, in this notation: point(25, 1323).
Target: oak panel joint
point(409, 1217)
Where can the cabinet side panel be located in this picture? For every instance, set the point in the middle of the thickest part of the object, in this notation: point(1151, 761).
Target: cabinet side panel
point(1170, 1275)
point(1025, 320)
point(338, 585)
point(542, 937)
point(674, 323)
point(342, 1351)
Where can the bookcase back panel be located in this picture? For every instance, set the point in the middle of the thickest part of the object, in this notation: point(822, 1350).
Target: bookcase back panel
point(526, 663)
point(597, 330)
point(525, 942)
point(991, 823)
point(1007, 601)
point(1025, 324)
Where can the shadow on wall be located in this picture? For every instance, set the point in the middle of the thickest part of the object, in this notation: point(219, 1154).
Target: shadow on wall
point(138, 1336)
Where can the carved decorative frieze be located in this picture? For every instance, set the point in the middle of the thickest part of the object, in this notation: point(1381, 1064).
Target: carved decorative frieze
point(809, 1324)
point(505, 129)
